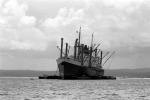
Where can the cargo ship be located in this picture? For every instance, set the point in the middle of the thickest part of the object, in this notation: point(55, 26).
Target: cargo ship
point(86, 62)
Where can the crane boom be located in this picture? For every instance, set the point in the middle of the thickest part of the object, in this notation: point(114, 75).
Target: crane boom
point(109, 57)
point(105, 55)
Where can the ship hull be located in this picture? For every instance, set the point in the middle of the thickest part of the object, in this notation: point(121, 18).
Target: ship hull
point(70, 69)
point(94, 72)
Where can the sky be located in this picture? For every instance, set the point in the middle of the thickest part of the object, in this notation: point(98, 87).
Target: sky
point(30, 31)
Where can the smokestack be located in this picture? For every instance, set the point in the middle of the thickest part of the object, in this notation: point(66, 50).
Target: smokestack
point(75, 49)
point(66, 54)
point(61, 51)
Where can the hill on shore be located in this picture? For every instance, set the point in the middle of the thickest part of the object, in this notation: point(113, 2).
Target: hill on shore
point(131, 73)
point(24, 73)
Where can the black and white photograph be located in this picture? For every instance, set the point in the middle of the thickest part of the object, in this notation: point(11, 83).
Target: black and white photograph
point(74, 49)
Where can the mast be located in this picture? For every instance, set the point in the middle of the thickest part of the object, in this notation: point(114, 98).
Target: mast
point(61, 49)
point(95, 52)
point(92, 41)
point(79, 43)
point(90, 58)
point(82, 51)
point(79, 35)
point(101, 57)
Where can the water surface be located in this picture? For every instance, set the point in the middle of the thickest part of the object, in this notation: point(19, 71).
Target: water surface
point(35, 89)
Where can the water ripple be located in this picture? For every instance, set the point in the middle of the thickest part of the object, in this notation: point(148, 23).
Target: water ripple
point(26, 89)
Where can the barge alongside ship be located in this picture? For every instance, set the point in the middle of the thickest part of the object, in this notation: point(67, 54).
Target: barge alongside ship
point(86, 62)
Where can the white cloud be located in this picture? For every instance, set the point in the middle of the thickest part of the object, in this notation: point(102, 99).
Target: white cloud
point(28, 20)
point(65, 17)
point(114, 22)
point(18, 30)
point(117, 22)
point(13, 8)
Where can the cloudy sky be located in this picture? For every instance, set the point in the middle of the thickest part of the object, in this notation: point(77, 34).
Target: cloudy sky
point(30, 30)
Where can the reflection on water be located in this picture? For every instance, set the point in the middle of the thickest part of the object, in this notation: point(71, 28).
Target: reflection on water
point(35, 89)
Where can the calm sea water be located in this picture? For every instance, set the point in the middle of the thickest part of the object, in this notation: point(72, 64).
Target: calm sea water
point(35, 89)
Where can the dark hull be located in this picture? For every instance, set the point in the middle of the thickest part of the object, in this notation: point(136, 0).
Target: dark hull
point(71, 70)
point(49, 77)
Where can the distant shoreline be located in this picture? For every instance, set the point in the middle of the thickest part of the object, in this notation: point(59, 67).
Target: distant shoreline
point(118, 78)
point(19, 77)
point(120, 73)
